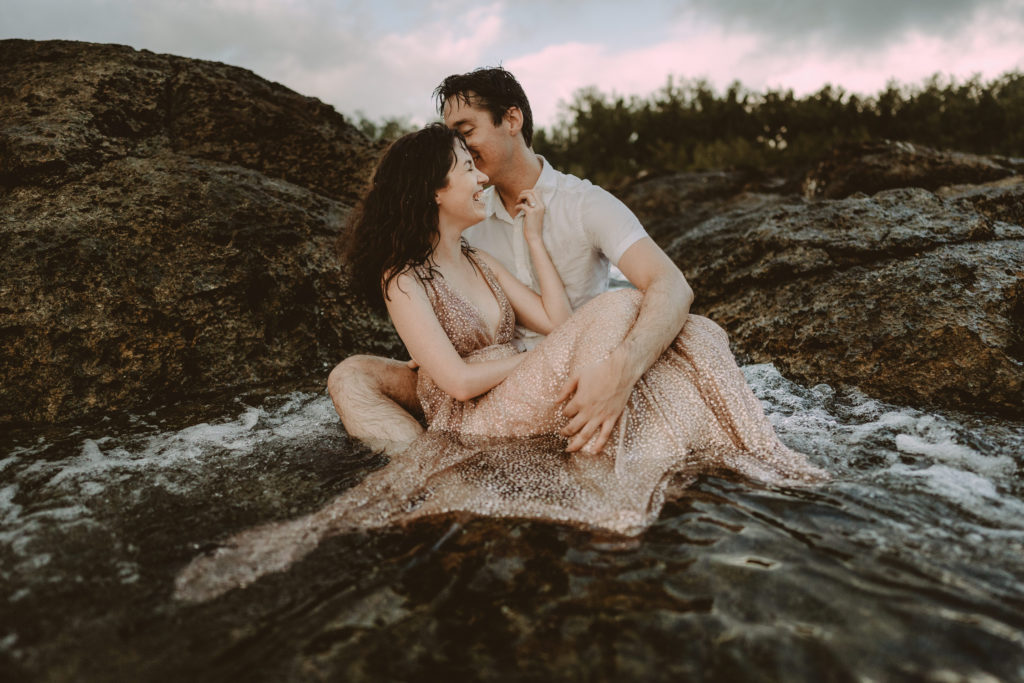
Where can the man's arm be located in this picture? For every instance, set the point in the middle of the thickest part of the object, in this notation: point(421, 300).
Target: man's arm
point(602, 389)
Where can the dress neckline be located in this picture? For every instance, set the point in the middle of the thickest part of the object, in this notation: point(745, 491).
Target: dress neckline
point(485, 273)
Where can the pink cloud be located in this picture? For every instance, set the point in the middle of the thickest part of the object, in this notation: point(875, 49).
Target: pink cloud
point(553, 74)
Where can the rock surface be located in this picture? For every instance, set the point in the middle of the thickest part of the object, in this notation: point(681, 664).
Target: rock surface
point(874, 166)
point(690, 197)
point(910, 296)
point(141, 272)
point(168, 227)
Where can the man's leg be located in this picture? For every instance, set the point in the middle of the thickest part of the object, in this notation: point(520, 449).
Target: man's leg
point(376, 399)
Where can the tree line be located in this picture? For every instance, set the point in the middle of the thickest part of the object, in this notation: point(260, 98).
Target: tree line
point(688, 126)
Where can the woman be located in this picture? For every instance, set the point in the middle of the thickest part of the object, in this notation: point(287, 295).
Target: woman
point(492, 445)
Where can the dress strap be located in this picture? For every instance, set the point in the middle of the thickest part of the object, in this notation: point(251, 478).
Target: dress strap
point(485, 269)
point(506, 326)
point(427, 281)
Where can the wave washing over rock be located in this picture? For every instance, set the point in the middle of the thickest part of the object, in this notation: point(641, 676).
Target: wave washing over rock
point(919, 537)
point(167, 238)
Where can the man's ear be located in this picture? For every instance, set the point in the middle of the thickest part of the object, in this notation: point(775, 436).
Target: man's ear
point(514, 118)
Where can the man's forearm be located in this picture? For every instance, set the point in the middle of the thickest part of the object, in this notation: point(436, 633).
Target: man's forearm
point(663, 313)
point(600, 391)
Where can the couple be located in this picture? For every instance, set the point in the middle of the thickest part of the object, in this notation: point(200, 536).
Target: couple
point(625, 397)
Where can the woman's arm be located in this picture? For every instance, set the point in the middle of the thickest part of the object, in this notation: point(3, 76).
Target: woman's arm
point(426, 341)
point(552, 291)
point(549, 310)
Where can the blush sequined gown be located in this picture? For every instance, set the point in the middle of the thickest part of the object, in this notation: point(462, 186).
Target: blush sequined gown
point(500, 454)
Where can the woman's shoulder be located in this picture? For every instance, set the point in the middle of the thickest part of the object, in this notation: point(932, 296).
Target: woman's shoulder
point(408, 282)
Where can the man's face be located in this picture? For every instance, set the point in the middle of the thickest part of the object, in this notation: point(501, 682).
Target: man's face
point(488, 143)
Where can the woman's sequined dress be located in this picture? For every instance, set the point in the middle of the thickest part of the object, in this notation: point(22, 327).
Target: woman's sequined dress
point(500, 454)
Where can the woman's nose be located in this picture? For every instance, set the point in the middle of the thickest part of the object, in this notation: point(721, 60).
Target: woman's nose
point(483, 177)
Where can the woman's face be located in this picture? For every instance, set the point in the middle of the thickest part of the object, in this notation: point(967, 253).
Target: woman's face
point(459, 202)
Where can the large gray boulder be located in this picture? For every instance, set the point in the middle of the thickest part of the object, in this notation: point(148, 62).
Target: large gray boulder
point(168, 228)
point(873, 166)
point(908, 295)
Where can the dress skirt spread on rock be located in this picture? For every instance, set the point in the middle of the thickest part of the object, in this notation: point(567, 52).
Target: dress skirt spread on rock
point(500, 454)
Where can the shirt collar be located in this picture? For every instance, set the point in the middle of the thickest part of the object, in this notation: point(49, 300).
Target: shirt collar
point(548, 178)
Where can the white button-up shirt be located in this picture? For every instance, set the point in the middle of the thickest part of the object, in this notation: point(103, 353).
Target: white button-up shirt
point(585, 229)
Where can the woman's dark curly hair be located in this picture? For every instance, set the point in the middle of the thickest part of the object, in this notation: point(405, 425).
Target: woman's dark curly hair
point(395, 226)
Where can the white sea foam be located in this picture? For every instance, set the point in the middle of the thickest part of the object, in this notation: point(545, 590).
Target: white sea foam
point(91, 459)
point(904, 449)
point(8, 508)
point(943, 447)
point(875, 451)
point(300, 416)
point(161, 459)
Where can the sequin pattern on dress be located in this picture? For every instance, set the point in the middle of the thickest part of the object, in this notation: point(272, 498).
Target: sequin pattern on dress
point(500, 454)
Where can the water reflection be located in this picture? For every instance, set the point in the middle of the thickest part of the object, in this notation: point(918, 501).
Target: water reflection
point(908, 565)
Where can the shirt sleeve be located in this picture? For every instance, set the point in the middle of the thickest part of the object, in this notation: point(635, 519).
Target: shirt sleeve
point(609, 223)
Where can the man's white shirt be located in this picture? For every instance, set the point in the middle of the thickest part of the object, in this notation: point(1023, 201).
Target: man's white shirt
point(585, 229)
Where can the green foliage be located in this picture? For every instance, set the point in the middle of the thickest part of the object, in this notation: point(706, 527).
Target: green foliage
point(687, 126)
point(389, 129)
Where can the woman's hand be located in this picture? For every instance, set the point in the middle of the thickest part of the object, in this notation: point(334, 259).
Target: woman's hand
point(531, 207)
point(555, 308)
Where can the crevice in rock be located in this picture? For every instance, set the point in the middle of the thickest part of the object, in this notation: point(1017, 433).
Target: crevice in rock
point(1015, 297)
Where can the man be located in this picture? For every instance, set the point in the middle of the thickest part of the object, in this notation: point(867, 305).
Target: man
point(585, 229)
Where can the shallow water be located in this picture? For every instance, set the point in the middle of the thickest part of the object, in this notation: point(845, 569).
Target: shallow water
point(908, 566)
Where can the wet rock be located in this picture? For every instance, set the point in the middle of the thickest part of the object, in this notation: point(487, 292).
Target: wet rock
point(168, 228)
point(910, 297)
point(68, 108)
point(692, 197)
point(1001, 200)
point(874, 166)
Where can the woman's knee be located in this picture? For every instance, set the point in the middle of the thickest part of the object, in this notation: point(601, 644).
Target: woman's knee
point(371, 379)
point(374, 398)
point(707, 325)
point(354, 375)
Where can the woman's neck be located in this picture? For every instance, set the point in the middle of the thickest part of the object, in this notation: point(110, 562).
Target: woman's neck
point(449, 247)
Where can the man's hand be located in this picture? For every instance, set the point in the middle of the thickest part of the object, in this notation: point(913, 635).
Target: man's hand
point(601, 391)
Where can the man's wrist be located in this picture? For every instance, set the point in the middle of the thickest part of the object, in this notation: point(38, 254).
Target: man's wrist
point(630, 369)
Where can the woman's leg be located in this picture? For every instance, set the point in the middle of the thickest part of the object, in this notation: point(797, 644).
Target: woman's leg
point(376, 400)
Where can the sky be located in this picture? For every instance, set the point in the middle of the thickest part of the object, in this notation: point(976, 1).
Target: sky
point(383, 58)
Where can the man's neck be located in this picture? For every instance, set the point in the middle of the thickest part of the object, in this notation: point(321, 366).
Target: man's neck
point(521, 176)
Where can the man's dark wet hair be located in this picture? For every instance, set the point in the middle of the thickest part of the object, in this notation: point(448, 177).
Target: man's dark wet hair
point(491, 88)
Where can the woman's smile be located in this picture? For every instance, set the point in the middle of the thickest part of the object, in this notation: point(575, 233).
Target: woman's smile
point(461, 200)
